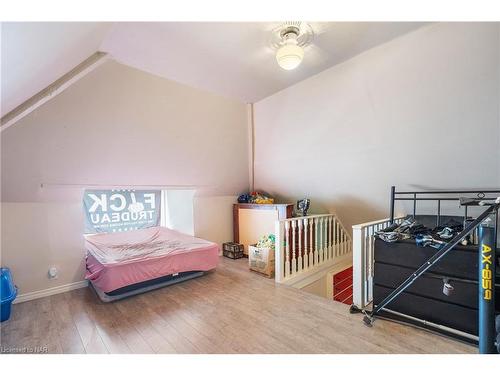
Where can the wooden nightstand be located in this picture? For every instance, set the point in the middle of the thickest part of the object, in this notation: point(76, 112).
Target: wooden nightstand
point(252, 221)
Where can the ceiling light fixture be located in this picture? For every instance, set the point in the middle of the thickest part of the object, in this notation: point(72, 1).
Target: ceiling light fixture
point(290, 39)
point(290, 54)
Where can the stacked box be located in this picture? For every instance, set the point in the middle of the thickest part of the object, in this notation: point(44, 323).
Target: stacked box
point(232, 250)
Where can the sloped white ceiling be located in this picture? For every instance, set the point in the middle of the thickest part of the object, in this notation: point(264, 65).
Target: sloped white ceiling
point(231, 59)
point(34, 55)
point(236, 59)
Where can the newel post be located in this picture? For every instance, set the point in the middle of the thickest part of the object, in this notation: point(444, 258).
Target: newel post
point(279, 254)
point(358, 266)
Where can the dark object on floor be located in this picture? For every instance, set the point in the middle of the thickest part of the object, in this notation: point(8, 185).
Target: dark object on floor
point(232, 250)
point(8, 293)
point(145, 286)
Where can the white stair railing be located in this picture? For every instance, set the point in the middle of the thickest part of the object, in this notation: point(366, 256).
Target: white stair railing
point(309, 243)
point(363, 259)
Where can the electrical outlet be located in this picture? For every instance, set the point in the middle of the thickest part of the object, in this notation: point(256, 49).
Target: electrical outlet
point(53, 273)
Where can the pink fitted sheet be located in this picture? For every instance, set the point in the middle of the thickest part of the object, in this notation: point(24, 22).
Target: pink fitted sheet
point(116, 260)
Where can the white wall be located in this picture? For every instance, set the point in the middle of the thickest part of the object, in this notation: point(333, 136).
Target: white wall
point(119, 125)
point(116, 126)
point(213, 217)
point(179, 209)
point(36, 236)
point(319, 287)
point(208, 217)
point(419, 112)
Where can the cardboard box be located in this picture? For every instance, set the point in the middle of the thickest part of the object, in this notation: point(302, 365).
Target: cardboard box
point(261, 259)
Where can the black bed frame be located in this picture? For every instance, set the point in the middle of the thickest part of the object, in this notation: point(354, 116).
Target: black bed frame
point(438, 196)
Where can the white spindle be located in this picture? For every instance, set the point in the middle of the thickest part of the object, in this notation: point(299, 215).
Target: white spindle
point(334, 236)
point(325, 241)
point(338, 238)
point(307, 254)
point(319, 230)
point(279, 251)
point(323, 238)
point(314, 237)
point(312, 256)
point(300, 266)
point(294, 250)
point(337, 230)
point(287, 249)
point(330, 247)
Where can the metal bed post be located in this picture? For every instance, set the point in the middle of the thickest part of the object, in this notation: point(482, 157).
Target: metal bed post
point(439, 213)
point(393, 193)
point(414, 205)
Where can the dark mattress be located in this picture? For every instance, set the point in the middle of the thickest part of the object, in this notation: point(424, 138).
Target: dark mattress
point(424, 299)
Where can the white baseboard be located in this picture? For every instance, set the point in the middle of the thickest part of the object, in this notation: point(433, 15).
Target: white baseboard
point(51, 291)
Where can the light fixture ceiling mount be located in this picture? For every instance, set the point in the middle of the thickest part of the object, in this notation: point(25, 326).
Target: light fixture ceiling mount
point(290, 31)
point(289, 39)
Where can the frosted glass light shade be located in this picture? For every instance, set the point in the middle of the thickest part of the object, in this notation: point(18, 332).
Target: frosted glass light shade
point(290, 55)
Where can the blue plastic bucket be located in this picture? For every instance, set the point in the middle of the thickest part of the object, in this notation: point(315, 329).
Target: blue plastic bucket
point(8, 293)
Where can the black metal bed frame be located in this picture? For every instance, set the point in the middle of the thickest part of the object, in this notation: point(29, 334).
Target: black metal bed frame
point(437, 195)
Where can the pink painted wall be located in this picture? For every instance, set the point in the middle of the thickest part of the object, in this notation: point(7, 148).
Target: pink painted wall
point(116, 126)
point(119, 125)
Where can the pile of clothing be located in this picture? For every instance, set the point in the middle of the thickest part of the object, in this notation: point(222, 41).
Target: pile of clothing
point(423, 236)
point(255, 197)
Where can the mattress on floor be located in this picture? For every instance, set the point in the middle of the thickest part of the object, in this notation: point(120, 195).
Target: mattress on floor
point(116, 260)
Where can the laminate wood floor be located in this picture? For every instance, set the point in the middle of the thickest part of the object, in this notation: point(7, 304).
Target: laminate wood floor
point(230, 310)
